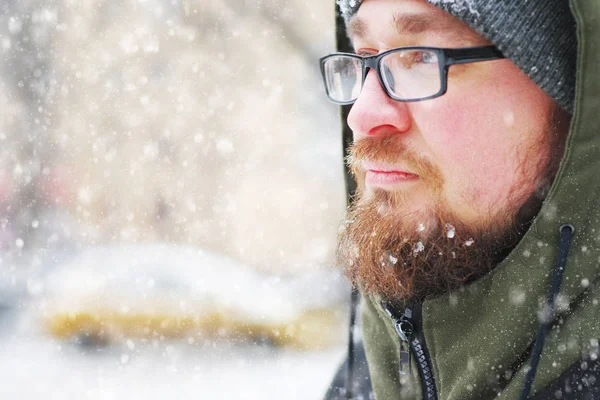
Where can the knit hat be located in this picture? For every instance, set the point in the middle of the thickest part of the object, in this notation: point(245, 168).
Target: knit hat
point(539, 36)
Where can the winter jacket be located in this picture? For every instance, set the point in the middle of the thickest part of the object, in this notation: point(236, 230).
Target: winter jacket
point(477, 342)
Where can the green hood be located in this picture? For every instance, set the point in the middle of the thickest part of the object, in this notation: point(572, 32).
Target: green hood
point(477, 337)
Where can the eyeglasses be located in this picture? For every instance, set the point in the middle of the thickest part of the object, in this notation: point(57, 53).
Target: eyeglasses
point(405, 73)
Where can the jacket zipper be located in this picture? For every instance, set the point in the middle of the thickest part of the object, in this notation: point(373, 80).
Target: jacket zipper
point(413, 341)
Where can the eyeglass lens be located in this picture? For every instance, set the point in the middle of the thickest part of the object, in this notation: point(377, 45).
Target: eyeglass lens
point(407, 75)
point(343, 76)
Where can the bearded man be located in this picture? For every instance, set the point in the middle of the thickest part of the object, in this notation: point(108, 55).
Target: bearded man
point(475, 160)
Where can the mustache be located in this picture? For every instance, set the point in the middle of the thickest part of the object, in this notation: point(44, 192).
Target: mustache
point(391, 150)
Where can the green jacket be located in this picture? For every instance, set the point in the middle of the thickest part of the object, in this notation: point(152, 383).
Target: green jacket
point(480, 339)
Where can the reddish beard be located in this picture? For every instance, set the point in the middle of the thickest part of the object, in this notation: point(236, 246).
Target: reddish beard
point(387, 252)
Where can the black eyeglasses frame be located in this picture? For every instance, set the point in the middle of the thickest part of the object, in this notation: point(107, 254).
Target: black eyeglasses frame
point(446, 58)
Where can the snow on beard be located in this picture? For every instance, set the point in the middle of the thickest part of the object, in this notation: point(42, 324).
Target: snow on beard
point(412, 256)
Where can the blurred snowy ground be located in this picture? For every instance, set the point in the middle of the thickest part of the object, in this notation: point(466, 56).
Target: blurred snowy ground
point(35, 367)
point(34, 363)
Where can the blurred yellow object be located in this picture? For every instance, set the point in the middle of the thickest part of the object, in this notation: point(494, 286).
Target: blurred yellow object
point(312, 329)
point(162, 292)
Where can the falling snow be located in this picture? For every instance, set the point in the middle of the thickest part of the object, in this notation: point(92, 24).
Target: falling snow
point(418, 248)
point(517, 296)
point(167, 124)
point(450, 231)
point(585, 282)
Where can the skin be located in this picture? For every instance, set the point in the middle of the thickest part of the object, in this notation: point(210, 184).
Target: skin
point(483, 136)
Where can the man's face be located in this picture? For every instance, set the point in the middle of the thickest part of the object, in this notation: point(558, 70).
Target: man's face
point(457, 167)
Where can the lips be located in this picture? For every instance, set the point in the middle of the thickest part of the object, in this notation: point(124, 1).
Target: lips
point(384, 175)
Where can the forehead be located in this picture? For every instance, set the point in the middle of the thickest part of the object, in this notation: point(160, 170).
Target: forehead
point(408, 18)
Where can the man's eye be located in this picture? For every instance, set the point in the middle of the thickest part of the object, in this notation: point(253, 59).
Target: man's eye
point(428, 58)
point(424, 57)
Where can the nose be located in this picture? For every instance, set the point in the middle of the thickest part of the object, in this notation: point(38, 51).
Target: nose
point(374, 112)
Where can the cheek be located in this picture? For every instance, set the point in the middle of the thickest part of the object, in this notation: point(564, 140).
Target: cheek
point(474, 145)
point(481, 134)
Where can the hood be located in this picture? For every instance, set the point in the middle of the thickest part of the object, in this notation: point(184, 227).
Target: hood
point(489, 324)
point(481, 333)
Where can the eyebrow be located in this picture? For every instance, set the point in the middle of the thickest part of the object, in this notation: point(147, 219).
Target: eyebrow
point(414, 24)
point(356, 28)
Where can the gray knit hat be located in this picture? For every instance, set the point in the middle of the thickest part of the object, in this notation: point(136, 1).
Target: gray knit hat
point(539, 36)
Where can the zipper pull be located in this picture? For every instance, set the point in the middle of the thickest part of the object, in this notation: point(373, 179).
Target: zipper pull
point(405, 331)
point(404, 357)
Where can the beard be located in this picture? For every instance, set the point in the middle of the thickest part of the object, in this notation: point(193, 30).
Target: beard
point(410, 255)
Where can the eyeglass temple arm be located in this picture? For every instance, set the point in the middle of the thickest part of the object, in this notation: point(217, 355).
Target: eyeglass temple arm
point(473, 54)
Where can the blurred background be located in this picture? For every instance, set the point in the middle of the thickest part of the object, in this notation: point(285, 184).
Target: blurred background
point(171, 185)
